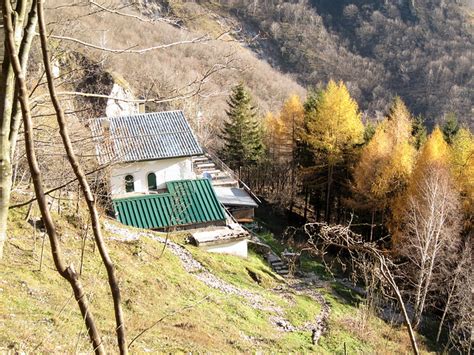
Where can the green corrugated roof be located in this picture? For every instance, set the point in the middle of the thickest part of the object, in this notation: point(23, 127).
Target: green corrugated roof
point(186, 202)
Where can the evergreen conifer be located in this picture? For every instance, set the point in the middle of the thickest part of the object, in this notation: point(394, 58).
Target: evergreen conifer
point(242, 134)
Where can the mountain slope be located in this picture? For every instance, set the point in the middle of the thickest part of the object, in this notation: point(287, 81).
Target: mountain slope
point(420, 50)
point(180, 70)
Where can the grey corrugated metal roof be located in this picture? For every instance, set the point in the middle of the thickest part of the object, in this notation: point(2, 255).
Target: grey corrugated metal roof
point(146, 136)
point(232, 196)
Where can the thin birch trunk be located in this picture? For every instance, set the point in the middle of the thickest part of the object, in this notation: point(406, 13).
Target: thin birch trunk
point(372, 225)
point(328, 194)
point(445, 311)
point(9, 112)
point(388, 276)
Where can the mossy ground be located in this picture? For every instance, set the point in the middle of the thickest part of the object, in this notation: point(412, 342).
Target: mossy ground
point(39, 314)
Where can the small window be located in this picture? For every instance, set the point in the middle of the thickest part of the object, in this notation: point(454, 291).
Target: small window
point(129, 183)
point(151, 182)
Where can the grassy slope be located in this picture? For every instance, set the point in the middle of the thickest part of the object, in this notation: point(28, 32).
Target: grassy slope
point(38, 313)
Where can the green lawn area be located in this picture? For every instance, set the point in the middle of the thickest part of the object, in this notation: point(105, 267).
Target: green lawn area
point(154, 285)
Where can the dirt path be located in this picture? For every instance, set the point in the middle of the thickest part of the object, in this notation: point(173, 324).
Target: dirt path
point(254, 300)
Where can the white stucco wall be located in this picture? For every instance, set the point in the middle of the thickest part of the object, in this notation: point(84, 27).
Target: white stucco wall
point(165, 170)
point(238, 248)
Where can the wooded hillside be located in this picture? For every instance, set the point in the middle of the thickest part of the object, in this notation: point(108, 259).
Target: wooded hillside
point(420, 50)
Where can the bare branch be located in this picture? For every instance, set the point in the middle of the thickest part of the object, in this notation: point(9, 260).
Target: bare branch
point(195, 89)
point(322, 236)
point(58, 187)
point(66, 271)
point(200, 39)
point(173, 22)
point(85, 187)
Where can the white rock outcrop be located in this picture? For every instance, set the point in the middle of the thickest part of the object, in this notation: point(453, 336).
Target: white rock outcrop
point(116, 106)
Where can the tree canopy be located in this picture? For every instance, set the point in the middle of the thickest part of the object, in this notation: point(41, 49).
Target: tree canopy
point(335, 125)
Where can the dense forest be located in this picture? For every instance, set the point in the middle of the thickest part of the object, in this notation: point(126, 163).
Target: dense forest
point(398, 189)
point(418, 50)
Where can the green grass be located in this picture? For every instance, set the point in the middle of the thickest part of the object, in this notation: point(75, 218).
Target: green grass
point(304, 310)
point(269, 238)
point(38, 314)
point(310, 264)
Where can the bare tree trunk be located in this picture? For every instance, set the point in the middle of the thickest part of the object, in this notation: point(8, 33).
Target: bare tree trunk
point(5, 190)
point(446, 307)
point(343, 238)
point(9, 112)
point(82, 179)
point(372, 225)
point(424, 287)
point(388, 276)
point(306, 198)
point(328, 194)
point(67, 272)
point(7, 95)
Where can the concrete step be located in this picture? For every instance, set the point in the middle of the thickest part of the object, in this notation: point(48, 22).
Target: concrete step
point(201, 158)
point(213, 172)
point(205, 165)
point(277, 263)
point(221, 176)
point(271, 258)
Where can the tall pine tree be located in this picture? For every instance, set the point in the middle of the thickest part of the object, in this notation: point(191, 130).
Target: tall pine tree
point(242, 134)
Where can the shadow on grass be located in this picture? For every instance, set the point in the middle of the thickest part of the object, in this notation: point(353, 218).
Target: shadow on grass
point(345, 295)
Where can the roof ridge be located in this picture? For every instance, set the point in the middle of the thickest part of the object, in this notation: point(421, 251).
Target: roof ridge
point(137, 114)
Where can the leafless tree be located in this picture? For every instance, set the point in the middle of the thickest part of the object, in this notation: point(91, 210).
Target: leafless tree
point(455, 289)
point(364, 257)
point(430, 226)
point(82, 179)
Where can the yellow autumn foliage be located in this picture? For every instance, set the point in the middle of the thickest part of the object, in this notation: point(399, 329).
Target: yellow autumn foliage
point(400, 121)
point(284, 129)
point(435, 157)
point(386, 162)
point(336, 123)
point(435, 151)
point(292, 113)
point(462, 164)
point(371, 162)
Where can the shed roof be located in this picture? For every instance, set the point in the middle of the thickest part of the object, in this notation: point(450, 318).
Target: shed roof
point(187, 202)
point(146, 136)
point(232, 196)
point(219, 236)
